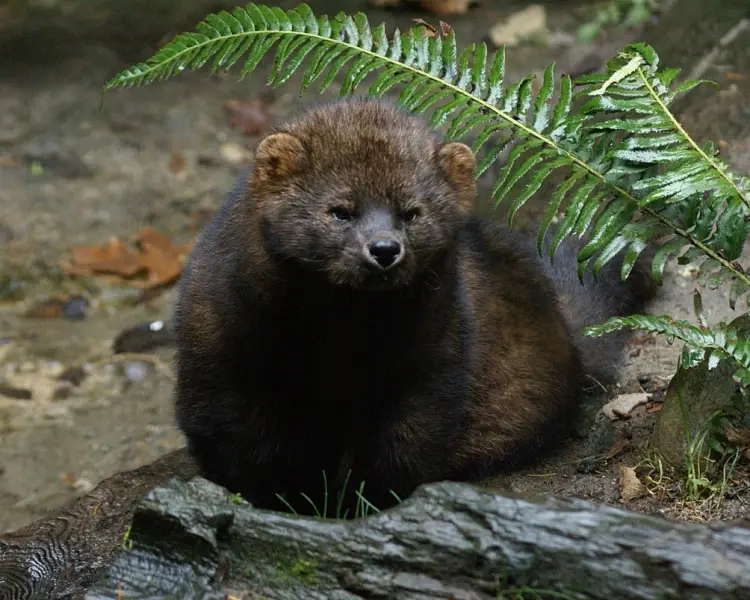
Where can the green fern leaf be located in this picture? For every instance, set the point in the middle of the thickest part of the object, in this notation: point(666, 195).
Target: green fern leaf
point(541, 106)
point(554, 206)
point(493, 154)
point(609, 225)
point(479, 71)
point(496, 77)
point(627, 158)
point(534, 183)
point(729, 341)
point(572, 213)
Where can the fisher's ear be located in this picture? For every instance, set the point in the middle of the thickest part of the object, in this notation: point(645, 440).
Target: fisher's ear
point(458, 163)
point(278, 156)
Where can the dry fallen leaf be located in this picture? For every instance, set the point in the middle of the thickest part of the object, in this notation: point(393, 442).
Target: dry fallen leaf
point(430, 29)
point(163, 260)
point(159, 259)
point(523, 24)
point(630, 486)
point(68, 478)
point(251, 116)
point(177, 163)
point(620, 407)
point(49, 308)
point(112, 257)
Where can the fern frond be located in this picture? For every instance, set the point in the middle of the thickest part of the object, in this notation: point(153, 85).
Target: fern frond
point(632, 173)
point(681, 190)
point(721, 342)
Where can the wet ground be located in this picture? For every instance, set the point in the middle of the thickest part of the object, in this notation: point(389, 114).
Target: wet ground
point(164, 156)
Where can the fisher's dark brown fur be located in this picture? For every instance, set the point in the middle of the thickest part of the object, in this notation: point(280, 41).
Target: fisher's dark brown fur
point(343, 312)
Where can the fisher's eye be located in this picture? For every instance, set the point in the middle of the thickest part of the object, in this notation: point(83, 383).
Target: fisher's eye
point(411, 215)
point(341, 213)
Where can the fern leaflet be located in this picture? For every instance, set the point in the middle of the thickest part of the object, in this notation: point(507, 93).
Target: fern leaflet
point(614, 147)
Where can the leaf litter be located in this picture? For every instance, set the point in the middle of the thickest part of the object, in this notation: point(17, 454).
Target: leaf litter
point(155, 261)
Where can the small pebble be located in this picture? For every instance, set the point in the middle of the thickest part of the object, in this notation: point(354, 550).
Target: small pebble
point(63, 392)
point(137, 370)
point(234, 153)
point(52, 368)
point(75, 308)
point(73, 375)
point(143, 337)
point(15, 393)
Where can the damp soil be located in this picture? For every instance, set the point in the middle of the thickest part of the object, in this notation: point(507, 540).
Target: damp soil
point(73, 173)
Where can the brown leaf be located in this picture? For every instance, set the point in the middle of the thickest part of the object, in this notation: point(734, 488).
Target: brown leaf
point(159, 259)
point(177, 162)
point(162, 259)
point(630, 486)
point(654, 407)
point(430, 29)
point(251, 116)
point(112, 257)
point(431, 32)
point(50, 308)
point(68, 478)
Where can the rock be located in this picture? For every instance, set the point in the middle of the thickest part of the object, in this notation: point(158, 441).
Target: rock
point(621, 407)
point(143, 337)
point(692, 397)
point(524, 24)
point(234, 153)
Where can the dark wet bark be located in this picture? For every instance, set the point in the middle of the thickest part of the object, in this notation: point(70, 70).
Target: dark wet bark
point(60, 555)
point(448, 541)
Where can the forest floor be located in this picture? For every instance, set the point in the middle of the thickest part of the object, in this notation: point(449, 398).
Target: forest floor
point(71, 175)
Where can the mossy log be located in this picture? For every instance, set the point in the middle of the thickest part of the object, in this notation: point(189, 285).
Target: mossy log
point(190, 538)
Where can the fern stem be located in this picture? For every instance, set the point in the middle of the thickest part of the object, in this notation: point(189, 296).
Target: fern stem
point(688, 138)
point(698, 244)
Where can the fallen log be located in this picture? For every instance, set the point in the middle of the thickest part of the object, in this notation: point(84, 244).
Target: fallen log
point(191, 538)
point(61, 555)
